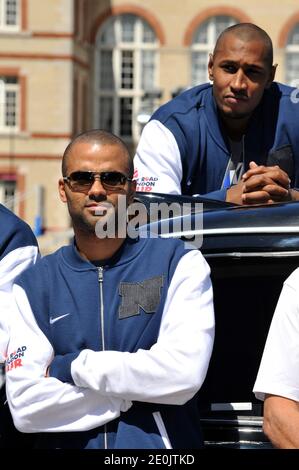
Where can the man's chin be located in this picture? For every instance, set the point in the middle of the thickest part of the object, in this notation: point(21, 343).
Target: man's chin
point(86, 225)
point(235, 114)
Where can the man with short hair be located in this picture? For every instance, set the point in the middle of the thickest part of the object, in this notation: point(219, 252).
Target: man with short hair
point(236, 140)
point(111, 336)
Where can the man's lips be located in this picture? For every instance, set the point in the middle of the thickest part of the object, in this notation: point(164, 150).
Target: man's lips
point(233, 99)
point(99, 208)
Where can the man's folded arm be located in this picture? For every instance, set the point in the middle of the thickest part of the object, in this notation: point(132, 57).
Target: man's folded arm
point(39, 403)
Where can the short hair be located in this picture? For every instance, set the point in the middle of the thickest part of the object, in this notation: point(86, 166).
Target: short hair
point(248, 32)
point(98, 136)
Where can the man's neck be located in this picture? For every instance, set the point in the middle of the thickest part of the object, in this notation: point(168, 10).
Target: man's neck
point(235, 128)
point(93, 248)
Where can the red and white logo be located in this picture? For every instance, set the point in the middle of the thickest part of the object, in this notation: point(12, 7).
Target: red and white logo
point(14, 359)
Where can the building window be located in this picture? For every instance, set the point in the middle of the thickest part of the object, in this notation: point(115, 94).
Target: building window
point(125, 74)
point(203, 42)
point(8, 188)
point(292, 58)
point(9, 103)
point(9, 15)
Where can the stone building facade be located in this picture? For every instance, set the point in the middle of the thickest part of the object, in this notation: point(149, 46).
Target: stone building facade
point(70, 65)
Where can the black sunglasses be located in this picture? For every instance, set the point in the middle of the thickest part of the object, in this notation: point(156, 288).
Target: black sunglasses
point(82, 181)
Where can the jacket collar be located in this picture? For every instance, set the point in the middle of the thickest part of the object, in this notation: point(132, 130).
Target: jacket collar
point(126, 253)
point(212, 117)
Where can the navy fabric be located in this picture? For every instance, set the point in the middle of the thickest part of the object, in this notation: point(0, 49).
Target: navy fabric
point(192, 118)
point(15, 233)
point(67, 286)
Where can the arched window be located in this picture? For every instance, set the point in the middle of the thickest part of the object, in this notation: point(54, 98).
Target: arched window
point(125, 74)
point(203, 42)
point(292, 58)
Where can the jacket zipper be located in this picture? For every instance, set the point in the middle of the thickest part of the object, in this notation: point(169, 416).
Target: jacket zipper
point(100, 279)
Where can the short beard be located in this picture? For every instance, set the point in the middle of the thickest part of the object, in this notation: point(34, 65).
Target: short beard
point(81, 224)
point(89, 228)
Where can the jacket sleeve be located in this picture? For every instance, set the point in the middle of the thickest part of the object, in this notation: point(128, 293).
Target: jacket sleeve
point(219, 195)
point(173, 370)
point(158, 166)
point(280, 360)
point(11, 265)
point(40, 403)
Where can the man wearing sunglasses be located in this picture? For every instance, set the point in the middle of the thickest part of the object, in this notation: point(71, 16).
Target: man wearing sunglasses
point(112, 336)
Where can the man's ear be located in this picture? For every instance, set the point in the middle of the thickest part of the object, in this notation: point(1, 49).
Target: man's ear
point(132, 191)
point(210, 67)
point(272, 75)
point(61, 190)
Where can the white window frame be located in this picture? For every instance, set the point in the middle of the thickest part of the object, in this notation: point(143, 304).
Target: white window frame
point(136, 92)
point(5, 185)
point(4, 89)
point(4, 27)
point(207, 47)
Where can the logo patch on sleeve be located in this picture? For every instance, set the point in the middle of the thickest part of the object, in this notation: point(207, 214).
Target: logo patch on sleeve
point(14, 359)
point(146, 183)
point(136, 295)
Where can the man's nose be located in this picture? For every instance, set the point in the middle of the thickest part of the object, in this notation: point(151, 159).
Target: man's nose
point(97, 189)
point(239, 81)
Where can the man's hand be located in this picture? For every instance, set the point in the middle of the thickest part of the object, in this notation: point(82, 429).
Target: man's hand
point(265, 184)
point(234, 193)
point(262, 185)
